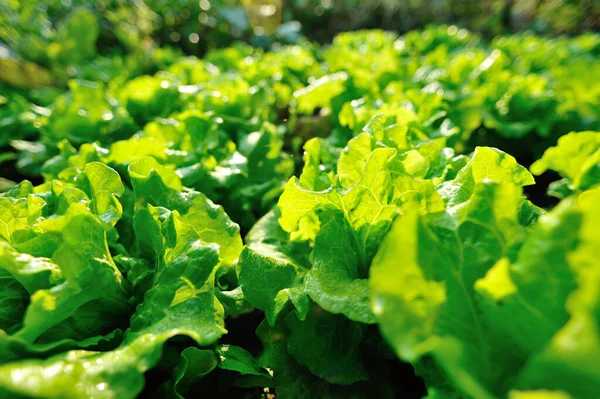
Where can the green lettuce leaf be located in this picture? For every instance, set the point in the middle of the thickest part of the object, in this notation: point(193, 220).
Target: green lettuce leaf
point(192, 366)
point(292, 380)
point(334, 341)
point(157, 185)
point(76, 374)
point(240, 360)
point(483, 299)
point(271, 269)
point(575, 158)
point(56, 248)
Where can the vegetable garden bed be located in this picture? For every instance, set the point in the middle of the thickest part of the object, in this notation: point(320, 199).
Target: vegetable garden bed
point(308, 222)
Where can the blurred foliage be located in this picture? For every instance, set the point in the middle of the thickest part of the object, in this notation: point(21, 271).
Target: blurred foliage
point(43, 31)
point(320, 19)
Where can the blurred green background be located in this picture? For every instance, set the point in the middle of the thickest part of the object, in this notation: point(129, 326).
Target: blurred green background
point(43, 31)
